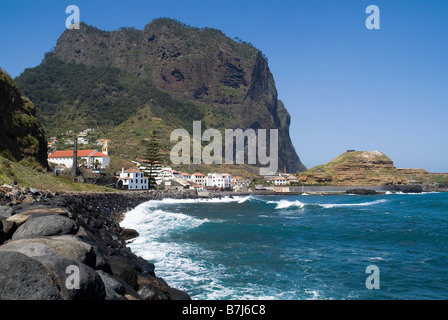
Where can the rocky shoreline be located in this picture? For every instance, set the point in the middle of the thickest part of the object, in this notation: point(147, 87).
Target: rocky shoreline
point(71, 247)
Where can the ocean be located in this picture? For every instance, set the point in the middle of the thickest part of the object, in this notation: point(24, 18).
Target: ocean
point(298, 247)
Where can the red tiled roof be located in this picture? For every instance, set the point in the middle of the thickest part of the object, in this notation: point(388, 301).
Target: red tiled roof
point(69, 153)
point(197, 174)
point(100, 154)
point(132, 170)
point(81, 153)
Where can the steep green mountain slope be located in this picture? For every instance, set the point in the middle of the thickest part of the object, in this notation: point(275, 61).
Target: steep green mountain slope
point(129, 82)
point(21, 133)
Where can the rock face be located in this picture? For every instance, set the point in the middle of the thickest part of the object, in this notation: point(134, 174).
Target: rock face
point(77, 254)
point(167, 71)
point(356, 168)
point(21, 133)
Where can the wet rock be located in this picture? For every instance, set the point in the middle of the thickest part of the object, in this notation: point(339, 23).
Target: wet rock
point(128, 234)
point(361, 191)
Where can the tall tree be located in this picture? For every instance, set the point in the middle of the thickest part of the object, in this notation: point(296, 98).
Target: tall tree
point(153, 159)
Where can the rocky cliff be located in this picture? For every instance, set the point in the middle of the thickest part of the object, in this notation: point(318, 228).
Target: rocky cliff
point(21, 133)
point(356, 168)
point(164, 76)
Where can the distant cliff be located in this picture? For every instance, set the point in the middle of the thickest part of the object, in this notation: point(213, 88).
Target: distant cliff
point(364, 168)
point(21, 133)
point(356, 168)
point(165, 76)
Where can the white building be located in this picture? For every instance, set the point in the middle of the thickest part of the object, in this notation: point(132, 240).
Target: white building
point(185, 176)
point(199, 178)
point(82, 140)
point(177, 174)
point(166, 174)
point(279, 181)
point(219, 180)
point(132, 179)
point(89, 158)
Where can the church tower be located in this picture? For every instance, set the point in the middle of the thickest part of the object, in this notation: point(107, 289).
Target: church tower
point(105, 149)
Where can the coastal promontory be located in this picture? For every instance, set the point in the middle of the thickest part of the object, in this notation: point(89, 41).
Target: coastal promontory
point(366, 168)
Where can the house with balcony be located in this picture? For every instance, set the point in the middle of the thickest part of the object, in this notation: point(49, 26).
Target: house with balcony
point(132, 179)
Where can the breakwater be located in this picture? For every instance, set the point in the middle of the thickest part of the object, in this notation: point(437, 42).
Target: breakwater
point(71, 247)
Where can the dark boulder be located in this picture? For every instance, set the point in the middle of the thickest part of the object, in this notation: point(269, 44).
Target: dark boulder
point(361, 191)
point(75, 280)
point(122, 268)
point(128, 234)
point(23, 278)
point(114, 289)
point(406, 188)
point(148, 292)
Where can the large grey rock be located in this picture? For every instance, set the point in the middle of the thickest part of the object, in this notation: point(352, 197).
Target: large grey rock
point(20, 217)
point(32, 249)
point(6, 212)
point(46, 225)
point(23, 278)
point(68, 246)
point(75, 280)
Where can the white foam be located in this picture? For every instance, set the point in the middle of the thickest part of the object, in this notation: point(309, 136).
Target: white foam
point(283, 204)
point(363, 204)
point(244, 199)
point(376, 259)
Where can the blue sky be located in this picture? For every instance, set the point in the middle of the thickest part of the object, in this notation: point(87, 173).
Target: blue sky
point(346, 87)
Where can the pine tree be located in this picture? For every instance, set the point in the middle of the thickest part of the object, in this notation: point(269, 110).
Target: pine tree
point(153, 158)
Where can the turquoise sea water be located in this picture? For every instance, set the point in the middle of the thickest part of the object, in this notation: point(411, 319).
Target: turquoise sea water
point(298, 247)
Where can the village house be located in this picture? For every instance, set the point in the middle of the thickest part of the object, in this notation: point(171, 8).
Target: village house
point(240, 184)
point(177, 184)
point(199, 178)
point(166, 174)
point(177, 174)
point(132, 179)
point(279, 181)
point(185, 176)
point(219, 180)
point(88, 158)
